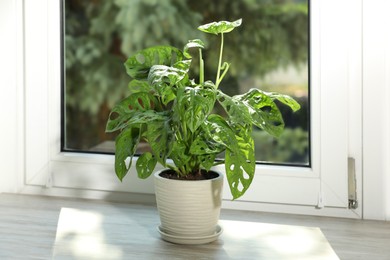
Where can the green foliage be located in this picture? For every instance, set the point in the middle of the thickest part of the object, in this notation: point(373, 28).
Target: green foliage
point(174, 114)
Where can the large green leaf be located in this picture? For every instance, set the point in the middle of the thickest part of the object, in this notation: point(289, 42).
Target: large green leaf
point(136, 85)
point(159, 136)
point(138, 65)
point(127, 109)
point(203, 145)
point(217, 129)
point(220, 27)
point(195, 104)
point(240, 162)
point(125, 147)
point(285, 99)
point(164, 78)
point(165, 75)
point(207, 160)
point(263, 111)
point(147, 117)
point(145, 165)
point(237, 111)
point(239, 156)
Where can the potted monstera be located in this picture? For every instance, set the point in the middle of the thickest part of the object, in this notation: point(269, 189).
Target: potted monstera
point(174, 114)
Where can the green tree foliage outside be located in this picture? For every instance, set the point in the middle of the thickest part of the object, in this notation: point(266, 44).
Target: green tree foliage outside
point(101, 34)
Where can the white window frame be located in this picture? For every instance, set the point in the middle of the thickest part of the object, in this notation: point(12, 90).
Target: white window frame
point(336, 122)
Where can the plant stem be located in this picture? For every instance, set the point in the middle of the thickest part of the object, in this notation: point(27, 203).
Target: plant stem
point(225, 70)
point(201, 67)
point(219, 62)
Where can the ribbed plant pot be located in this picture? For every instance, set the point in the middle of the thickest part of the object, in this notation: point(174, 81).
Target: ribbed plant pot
point(189, 209)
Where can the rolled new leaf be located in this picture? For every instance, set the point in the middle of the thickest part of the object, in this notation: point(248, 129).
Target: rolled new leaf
point(196, 43)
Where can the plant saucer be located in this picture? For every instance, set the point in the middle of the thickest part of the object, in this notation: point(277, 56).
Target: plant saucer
point(190, 240)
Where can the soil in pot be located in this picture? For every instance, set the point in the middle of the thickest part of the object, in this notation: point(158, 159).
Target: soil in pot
point(200, 175)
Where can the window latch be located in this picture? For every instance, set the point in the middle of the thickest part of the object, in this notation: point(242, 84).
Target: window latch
point(352, 194)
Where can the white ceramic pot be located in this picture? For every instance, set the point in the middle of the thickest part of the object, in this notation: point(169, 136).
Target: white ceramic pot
point(189, 210)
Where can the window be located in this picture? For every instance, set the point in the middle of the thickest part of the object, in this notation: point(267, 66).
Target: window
point(270, 51)
point(335, 123)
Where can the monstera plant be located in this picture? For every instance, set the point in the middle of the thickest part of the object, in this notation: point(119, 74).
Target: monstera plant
point(174, 114)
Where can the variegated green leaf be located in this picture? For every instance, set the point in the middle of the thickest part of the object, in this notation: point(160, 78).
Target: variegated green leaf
point(285, 99)
point(263, 111)
point(161, 74)
point(127, 108)
point(159, 136)
point(207, 160)
point(220, 27)
point(125, 147)
point(179, 154)
point(145, 165)
point(136, 85)
point(219, 131)
point(163, 79)
point(138, 65)
point(237, 111)
point(147, 117)
point(197, 43)
point(196, 103)
point(240, 162)
point(203, 145)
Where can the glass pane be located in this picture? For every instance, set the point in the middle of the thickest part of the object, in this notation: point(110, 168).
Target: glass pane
point(269, 51)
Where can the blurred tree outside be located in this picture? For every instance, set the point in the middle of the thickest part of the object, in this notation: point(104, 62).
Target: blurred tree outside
point(269, 51)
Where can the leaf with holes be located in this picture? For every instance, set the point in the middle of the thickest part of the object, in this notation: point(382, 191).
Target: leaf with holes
point(217, 129)
point(213, 137)
point(163, 79)
point(263, 111)
point(147, 117)
point(240, 162)
point(207, 161)
point(195, 104)
point(165, 75)
point(125, 147)
point(285, 99)
point(203, 145)
point(237, 111)
point(127, 109)
point(159, 135)
point(138, 65)
point(145, 165)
